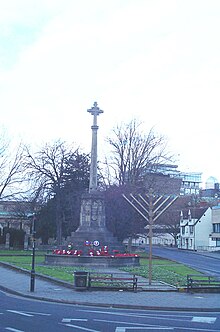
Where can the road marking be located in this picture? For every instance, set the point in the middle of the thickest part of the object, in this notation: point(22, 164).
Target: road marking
point(81, 328)
point(20, 313)
point(208, 320)
point(150, 315)
point(123, 329)
point(13, 330)
point(176, 318)
point(28, 313)
point(138, 325)
point(36, 313)
point(196, 319)
point(68, 320)
point(121, 322)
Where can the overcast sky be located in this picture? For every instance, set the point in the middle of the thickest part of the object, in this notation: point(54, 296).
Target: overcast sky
point(154, 60)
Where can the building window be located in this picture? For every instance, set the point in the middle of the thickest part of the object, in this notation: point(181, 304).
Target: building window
point(183, 230)
point(191, 229)
point(216, 228)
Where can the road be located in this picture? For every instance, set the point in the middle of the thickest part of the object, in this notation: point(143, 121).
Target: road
point(195, 260)
point(22, 315)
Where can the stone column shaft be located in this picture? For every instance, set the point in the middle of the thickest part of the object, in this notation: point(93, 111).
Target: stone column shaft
point(95, 111)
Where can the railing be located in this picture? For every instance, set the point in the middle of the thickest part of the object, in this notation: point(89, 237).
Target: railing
point(201, 282)
point(112, 281)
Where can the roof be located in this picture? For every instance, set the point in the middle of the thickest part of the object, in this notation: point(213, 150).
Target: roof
point(196, 213)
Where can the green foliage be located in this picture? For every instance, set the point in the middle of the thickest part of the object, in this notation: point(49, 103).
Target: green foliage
point(21, 260)
point(15, 252)
point(16, 237)
point(66, 174)
point(64, 273)
point(162, 270)
point(144, 261)
point(46, 225)
point(172, 273)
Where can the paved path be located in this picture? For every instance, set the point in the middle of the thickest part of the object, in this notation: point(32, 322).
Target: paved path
point(19, 283)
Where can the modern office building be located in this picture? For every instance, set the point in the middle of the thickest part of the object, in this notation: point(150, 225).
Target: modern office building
point(190, 181)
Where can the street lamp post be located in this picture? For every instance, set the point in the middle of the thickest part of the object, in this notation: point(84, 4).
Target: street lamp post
point(32, 283)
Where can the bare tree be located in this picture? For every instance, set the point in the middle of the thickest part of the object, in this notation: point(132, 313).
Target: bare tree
point(59, 174)
point(11, 170)
point(46, 171)
point(134, 152)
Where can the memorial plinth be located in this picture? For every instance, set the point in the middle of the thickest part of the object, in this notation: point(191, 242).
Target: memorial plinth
point(92, 226)
point(95, 261)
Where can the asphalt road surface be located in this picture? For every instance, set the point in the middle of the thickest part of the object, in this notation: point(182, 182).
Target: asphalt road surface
point(22, 315)
point(195, 260)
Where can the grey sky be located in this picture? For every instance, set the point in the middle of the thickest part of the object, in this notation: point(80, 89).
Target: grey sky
point(155, 60)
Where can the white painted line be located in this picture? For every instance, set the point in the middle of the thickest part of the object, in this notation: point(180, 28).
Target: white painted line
point(120, 322)
point(69, 320)
point(141, 315)
point(199, 297)
point(13, 330)
point(135, 325)
point(20, 313)
point(176, 318)
point(208, 320)
point(28, 313)
point(101, 312)
point(123, 329)
point(81, 328)
point(36, 313)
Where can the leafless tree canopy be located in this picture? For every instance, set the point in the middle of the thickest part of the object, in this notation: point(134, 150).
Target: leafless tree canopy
point(46, 168)
point(133, 152)
point(49, 171)
point(11, 170)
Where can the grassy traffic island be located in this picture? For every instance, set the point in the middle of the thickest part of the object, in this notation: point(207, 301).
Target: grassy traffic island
point(163, 270)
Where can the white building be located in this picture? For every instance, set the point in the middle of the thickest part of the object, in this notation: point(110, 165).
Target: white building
point(191, 183)
point(216, 226)
point(196, 230)
point(195, 227)
point(160, 237)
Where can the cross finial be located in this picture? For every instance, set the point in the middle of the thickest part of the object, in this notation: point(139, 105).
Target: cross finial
point(95, 111)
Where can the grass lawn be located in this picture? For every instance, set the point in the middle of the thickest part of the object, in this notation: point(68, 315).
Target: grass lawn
point(162, 270)
point(22, 252)
point(22, 260)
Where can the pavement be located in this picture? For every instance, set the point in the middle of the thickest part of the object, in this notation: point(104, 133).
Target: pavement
point(155, 296)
